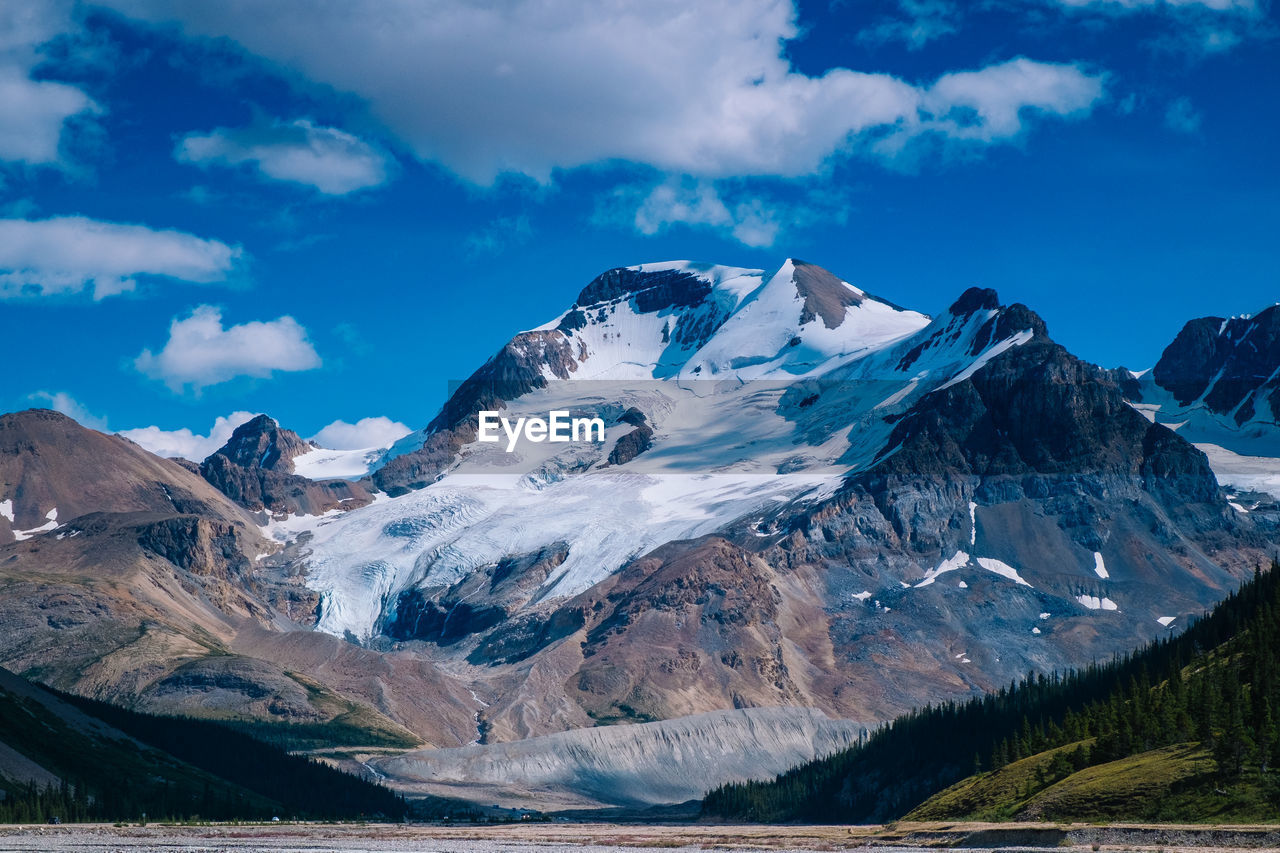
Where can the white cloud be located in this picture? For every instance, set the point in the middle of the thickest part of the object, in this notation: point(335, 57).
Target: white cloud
point(1182, 116)
point(70, 253)
point(200, 352)
point(330, 160)
point(990, 104)
point(532, 86)
point(35, 112)
point(61, 401)
point(366, 432)
point(185, 443)
point(698, 203)
point(33, 117)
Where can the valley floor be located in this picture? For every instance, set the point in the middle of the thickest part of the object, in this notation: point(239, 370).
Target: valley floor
point(608, 838)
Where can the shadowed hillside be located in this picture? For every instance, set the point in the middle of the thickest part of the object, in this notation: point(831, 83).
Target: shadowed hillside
point(1183, 729)
point(76, 759)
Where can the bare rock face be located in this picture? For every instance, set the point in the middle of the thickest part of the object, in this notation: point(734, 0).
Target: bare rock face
point(481, 601)
point(633, 443)
point(255, 469)
point(516, 369)
point(824, 295)
point(654, 290)
point(1230, 365)
point(1218, 383)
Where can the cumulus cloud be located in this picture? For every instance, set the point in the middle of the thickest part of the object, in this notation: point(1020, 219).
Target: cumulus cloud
point(61, 401)
point(201, 352)
point(34, 115)
point(183, 442)
point(531, 86)
point(991, 104)
point(366, 432)
point(959, 108)
point(330, 160)
point(36, 112)
point(68, 254)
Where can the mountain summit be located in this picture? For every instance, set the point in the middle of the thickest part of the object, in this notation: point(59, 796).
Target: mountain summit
point(255, 468)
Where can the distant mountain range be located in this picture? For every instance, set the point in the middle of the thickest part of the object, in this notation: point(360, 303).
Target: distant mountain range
point(807, 497)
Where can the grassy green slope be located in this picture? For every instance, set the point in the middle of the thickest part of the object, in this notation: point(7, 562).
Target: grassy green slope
point(1175, 783)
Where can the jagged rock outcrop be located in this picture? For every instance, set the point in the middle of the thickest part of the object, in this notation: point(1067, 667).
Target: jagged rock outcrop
point(634, 443)
point(1229, 365)
point(482, 600)
point(1033, 469)
point(1218, 383)
point(255, 469)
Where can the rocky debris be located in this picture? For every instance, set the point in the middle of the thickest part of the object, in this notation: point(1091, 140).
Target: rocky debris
point(690, 620)
point(634, 443)
point(525, 634)
point(638, 765)
point(482, 600)
point(229, 684)
point(652, 290)
point(824, 295)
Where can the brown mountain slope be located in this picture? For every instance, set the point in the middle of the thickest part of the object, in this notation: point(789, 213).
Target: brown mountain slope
point(150, 588)
point(49, 462)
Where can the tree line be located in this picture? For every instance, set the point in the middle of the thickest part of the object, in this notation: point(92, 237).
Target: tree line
point(1215, 683)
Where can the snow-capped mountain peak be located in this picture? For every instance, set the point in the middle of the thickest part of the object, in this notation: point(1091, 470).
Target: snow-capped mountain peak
point(726, 392)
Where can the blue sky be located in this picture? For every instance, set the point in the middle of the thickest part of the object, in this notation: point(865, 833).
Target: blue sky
point(327, 211)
